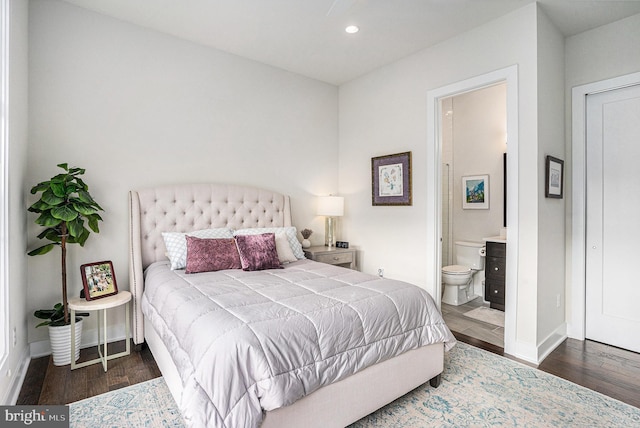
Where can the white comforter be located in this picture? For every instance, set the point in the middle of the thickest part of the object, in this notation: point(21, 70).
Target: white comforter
point(248, 341)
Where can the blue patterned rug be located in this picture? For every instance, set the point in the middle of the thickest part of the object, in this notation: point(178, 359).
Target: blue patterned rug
point(478, 389)
point(147, 404)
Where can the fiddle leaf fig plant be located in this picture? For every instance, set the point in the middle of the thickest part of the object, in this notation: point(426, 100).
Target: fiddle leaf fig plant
point(65, 210)
point(54, 317)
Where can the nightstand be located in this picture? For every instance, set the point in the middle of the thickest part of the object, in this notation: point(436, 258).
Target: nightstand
point(102, 304)
point(345, 257)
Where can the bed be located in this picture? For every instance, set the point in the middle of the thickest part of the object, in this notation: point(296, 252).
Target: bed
point(287, 381)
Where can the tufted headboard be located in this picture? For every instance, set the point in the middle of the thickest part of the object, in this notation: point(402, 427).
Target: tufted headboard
point(189, 207)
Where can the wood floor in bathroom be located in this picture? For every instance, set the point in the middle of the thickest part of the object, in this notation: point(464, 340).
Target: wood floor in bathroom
point(457, 322)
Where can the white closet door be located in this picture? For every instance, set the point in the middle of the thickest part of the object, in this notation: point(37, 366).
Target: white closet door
point(613, 218)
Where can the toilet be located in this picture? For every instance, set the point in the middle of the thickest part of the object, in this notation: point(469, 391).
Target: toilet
point(457, 280)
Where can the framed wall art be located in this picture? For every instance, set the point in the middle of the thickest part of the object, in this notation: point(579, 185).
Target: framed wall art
point(98, 280)
point(554, 177)
point(391, 179)
point(475, 192)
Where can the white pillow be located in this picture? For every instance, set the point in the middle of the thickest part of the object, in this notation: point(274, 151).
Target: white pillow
point(285, 255)
point(290, 232)
point(176, 243)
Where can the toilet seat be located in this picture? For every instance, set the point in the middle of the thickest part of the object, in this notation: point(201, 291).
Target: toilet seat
point(456, 270)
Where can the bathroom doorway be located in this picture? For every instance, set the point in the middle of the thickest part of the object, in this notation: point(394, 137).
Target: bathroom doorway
point(474, 141)
point(436, 175)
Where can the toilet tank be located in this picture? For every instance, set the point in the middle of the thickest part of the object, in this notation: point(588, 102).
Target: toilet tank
point(470, 254)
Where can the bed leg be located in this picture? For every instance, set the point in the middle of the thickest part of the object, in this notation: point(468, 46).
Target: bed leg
point(435, 381)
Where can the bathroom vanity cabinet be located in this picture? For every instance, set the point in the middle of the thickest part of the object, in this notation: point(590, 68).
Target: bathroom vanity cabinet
point(494, 284)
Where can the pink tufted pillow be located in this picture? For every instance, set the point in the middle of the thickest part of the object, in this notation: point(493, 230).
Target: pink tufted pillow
point(258, 252)
point(207, 255)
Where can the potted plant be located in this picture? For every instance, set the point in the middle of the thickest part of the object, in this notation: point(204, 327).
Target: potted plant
point(306, 233)
point(65, 208)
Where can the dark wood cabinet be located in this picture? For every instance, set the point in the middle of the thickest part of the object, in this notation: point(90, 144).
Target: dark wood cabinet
point(494, 282)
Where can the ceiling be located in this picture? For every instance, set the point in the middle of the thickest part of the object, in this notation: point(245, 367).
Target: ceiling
point(307, 36)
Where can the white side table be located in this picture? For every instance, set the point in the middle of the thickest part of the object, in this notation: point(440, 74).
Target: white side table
point(83, 305)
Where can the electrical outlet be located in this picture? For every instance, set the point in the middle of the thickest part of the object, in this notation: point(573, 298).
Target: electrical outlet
point(557, 301)
point(15, 336)
point(381, 272)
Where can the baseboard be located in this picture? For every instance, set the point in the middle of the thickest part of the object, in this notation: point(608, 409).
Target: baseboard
point(89, 339)
point(552, 342)
point(18, 379)
point(524, 351)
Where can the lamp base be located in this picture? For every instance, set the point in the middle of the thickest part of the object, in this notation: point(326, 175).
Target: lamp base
point(330, 232)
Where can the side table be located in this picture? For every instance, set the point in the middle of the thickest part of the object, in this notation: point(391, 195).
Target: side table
point(345, 257)
point(100, 305)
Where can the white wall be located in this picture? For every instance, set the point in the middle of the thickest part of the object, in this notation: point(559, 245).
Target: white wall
point(551, 329)
point(385, 112)
point(479, 132)
point(18, 357)
point(138, 108)
point(602, 53)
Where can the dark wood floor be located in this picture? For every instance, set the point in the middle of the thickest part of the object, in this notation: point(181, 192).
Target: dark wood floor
point(609, 370)
point(603, 368)
point(49, 384)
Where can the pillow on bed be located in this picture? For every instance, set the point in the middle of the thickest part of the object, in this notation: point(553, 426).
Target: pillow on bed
point(176, 243)
point(285, 255)
point(258, 252)
point(209, 255)
point(296, 247)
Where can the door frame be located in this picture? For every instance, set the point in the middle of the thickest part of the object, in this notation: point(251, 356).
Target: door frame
point(576, 323)
point(434, 188)
point(5, 18)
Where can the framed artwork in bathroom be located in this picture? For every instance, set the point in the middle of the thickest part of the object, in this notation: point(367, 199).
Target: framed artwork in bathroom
point(391, 179)
point(475, 192)
point(554, 171)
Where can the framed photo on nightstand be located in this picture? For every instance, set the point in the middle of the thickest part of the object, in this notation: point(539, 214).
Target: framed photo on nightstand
point(98, 280)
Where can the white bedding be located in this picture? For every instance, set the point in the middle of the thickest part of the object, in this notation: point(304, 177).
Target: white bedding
point(245, 342)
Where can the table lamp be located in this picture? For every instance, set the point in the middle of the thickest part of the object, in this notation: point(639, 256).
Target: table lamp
point(330, 207)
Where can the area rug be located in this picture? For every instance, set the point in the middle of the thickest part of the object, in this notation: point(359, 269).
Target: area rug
point(491, 316)
point(147, 404)
point(481, 389)
point(478, 389)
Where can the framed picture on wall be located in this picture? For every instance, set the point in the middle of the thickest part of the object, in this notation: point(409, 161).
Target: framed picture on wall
point(98, 280)
point(554, 177)
point(475, 192)
point(391, 179)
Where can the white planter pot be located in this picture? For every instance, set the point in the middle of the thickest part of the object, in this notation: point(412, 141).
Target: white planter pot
point(60, 338)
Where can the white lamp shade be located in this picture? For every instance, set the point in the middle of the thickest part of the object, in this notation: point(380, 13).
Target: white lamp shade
point(331, 206)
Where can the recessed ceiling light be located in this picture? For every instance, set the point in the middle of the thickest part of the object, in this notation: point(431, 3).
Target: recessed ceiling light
point(352, 29)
